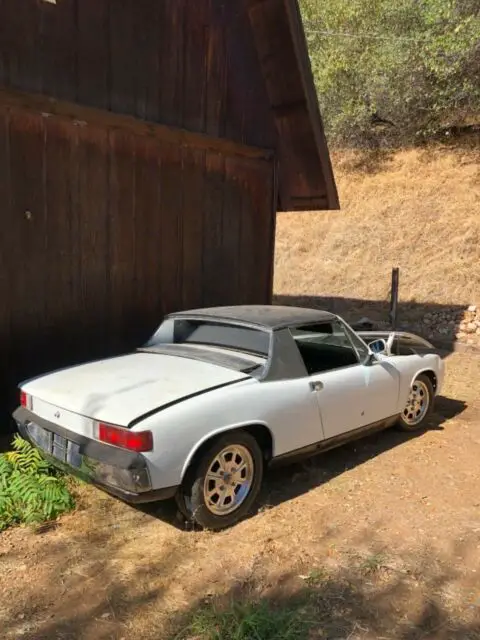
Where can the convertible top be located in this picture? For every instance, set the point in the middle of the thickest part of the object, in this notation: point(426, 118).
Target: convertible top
point(270, 317)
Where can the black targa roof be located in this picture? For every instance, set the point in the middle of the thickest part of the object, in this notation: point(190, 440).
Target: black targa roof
point(266, 316)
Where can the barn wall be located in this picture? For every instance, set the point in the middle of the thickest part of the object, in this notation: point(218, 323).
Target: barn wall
point(185, 63)
point(105, 229)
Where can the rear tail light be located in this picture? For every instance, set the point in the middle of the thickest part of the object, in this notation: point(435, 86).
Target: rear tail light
point(25, 400)
point(124, 438)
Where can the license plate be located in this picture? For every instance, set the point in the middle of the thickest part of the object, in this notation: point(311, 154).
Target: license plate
point(56, 445)
point(40, 436)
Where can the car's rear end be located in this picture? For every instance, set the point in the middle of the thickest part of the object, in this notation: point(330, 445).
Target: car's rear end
point(106, 455)
point(87, 420)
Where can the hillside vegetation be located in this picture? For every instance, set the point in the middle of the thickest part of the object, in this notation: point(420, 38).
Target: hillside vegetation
point(419, 210)
point(395, 72)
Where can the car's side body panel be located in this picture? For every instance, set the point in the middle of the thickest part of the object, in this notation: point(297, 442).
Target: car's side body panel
point(287, 408)
point(296, 416)
point(355, 396)
point(410, 367)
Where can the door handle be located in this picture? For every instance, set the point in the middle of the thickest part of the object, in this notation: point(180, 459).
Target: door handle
point(316, 386)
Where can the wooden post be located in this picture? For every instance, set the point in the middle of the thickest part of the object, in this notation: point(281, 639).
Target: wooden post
point(394, 298)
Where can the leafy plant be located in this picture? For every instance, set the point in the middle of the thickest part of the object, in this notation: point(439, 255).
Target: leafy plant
point(30, 489)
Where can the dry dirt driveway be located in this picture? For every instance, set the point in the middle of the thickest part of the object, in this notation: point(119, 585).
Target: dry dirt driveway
point(383, 536)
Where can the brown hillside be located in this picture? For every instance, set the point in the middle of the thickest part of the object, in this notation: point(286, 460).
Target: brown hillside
point(419, 210)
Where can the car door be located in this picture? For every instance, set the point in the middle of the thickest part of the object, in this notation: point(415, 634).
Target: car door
point(351, 393)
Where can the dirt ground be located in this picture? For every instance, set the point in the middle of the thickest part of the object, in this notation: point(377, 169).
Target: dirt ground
point(383, 536)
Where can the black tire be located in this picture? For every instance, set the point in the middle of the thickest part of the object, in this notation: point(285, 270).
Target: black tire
point(404, 424)
point(191, 498)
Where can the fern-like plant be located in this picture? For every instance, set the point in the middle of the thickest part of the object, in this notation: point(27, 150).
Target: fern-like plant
point(30, 489)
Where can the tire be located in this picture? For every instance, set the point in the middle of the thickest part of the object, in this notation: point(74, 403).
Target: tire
point(216, 510)
point(419, 405)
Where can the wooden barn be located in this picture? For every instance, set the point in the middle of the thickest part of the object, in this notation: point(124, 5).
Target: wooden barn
point(145, 148)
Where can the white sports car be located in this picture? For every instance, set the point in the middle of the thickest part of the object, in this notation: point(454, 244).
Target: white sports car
point(216, 395)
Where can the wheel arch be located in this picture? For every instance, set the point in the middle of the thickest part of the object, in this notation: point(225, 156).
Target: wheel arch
point(259, 430)
point(431, 375)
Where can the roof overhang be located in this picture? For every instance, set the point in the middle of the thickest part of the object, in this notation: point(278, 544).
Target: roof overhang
point(305, 176)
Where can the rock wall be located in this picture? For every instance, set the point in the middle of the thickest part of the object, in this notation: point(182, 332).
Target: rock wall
point(462, 326)
point(459, 326)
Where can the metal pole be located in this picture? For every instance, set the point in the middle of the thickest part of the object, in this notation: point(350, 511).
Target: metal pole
point(394, 297)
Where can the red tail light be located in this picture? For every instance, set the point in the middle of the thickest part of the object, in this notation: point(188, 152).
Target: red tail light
point(25, 399)
point(124, 438)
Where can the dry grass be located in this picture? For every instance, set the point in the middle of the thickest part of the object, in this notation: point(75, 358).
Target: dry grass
point(418, 211)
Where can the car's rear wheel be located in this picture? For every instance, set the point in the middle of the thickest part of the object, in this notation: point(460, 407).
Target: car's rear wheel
point(419, 405)
point(223, 482)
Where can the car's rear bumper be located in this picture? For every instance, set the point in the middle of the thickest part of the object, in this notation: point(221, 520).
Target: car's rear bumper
point(124, 474)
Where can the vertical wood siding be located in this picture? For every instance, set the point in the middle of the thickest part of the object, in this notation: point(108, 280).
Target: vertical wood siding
point(184, 63)
point(105, 230)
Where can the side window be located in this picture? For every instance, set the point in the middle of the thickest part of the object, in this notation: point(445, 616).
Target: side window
point(324, 347)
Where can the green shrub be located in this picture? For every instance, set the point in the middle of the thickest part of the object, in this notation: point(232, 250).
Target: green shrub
point(414, 64)
point(31, 490)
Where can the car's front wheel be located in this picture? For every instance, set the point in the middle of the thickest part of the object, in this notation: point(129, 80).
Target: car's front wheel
point(224, 481)
point(419, 405)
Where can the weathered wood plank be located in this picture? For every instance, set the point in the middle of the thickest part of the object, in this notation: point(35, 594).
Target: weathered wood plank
point(122, 258)
point(171, 244)
point(8, 255)
point(58, 48)
point(254, 242)
point(193, 169)
point(123, 43)
point(148, 216)
point(171, 61)
point(28, 230)
point(93, 59)
point(232, 214)
point(92, 238)
point(216, 80)
point(21, 43)
point(148, 30)
point(37, 103)
point(6, 260)
point(61, 314)
point(4, 48)
point(214, 286)
point(248, 106)
point(196, 35)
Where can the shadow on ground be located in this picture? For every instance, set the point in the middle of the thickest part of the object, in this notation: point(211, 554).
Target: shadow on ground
point(364, 597)
point(354, 603)
point(290, 482)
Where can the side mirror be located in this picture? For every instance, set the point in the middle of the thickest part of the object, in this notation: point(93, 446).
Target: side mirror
point(378, 346)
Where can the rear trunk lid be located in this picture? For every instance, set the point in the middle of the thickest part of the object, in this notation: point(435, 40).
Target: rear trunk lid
point(118, 390)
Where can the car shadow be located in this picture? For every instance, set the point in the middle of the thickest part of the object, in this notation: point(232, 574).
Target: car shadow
point(291, 481)
point(284, 484)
